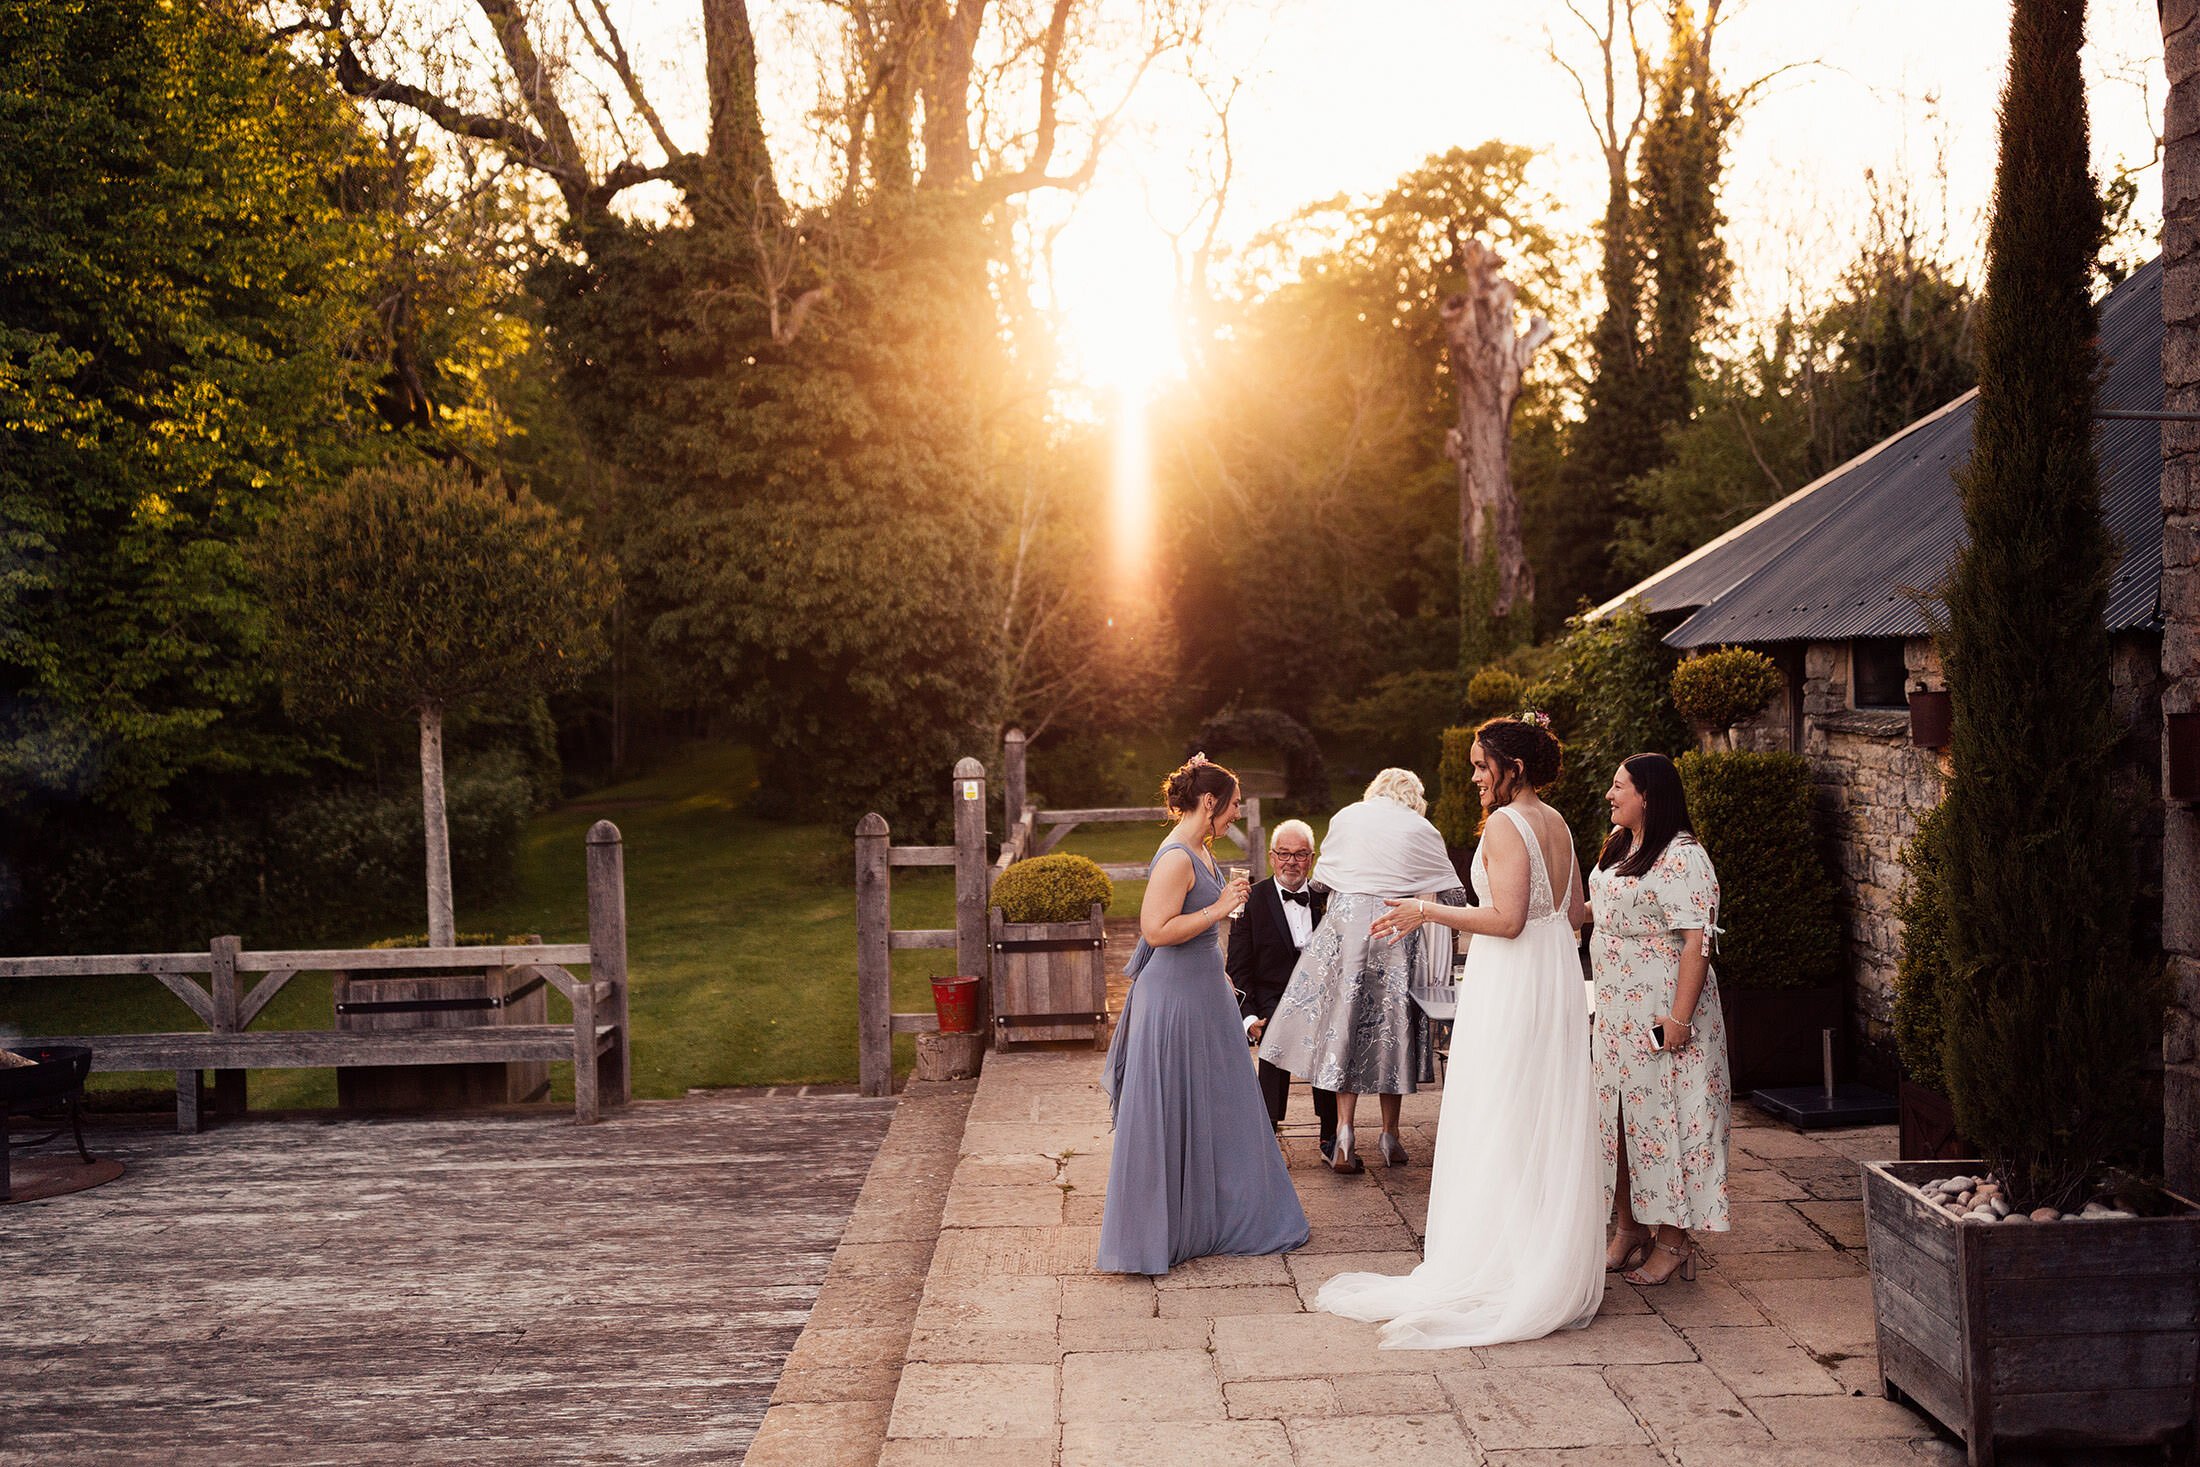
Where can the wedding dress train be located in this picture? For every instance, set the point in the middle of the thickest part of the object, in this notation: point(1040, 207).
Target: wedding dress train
point(1515, 1245)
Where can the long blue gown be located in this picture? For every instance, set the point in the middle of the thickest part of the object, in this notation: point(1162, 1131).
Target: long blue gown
point(1195, 1169)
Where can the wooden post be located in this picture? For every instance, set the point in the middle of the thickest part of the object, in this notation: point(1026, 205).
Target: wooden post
point(973, 883)
point(587, 1074)
point(874, 960)
point(1256, 839)
point(188, 1111)
point(1012, 780)
point(607, 953)
point(229, 1085)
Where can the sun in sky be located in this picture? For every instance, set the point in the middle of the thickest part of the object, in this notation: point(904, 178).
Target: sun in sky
point(1114, 288)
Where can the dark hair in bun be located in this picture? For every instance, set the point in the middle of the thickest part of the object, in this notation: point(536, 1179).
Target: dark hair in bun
point(1533, 754)
point(1182, 789)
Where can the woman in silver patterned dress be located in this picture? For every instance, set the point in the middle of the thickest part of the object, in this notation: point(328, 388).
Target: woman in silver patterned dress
point(1345, 1022)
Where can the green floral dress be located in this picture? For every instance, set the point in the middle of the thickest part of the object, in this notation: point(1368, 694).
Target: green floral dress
point(1675, 1108)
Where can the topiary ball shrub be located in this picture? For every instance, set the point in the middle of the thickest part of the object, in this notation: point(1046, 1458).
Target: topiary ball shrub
point(1457, 813)
point(1776, 898)
point(1719, 689)
point(1057, 888)
point(1494, 691)
point(1923, 976)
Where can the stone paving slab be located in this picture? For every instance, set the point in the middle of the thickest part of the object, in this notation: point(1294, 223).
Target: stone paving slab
point(1016, 1350)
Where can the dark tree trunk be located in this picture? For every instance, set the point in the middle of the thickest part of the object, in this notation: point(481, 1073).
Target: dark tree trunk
point(1487, 357)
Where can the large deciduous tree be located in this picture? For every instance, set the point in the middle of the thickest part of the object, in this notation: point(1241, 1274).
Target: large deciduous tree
point(2050, 1011)
point(414, 590)
point(1661, 121)
point(184, 340)
point(1488, 355)
point(801, 402)
point(1315, 519)
point(1818, 387)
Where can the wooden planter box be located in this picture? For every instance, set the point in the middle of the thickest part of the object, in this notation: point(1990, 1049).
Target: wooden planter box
point(448, 999)
point(1772, 1034)
point(2073, 1332)
point(1050, 979)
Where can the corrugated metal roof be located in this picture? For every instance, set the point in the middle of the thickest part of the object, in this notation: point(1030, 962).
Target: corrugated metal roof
point(1850, 555)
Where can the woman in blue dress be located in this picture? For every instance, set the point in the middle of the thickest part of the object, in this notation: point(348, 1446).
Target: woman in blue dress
point(1195, 1168)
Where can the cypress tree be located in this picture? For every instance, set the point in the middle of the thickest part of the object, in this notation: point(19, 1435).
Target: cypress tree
point(2050, 1008)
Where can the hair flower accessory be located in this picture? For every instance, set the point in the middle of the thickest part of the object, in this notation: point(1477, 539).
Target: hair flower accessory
point(1537, 717)
point(1196, 760)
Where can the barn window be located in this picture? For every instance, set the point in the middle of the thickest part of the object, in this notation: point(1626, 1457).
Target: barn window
point(1876, 673)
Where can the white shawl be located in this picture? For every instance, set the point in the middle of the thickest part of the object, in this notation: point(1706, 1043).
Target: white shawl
point(1381, 848)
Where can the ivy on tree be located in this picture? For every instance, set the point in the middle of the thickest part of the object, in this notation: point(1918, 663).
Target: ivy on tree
point(414, 589)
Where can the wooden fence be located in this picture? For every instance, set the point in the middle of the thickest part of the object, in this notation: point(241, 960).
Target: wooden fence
point(877, 939)
point(597, 1041)
point(975, 944)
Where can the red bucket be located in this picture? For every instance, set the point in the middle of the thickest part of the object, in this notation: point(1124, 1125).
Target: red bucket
point(956, 1000)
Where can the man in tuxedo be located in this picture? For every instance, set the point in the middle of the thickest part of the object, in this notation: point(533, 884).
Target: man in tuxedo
point(1281, 914)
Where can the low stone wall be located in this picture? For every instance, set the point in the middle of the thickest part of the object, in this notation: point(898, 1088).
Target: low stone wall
point(1873, 786)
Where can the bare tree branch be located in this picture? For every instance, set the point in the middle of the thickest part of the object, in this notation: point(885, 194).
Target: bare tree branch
point(520, 140)
point(612, 51)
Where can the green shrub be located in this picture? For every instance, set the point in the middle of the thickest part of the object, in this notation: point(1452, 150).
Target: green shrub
point(1399, 720)
point(1923, 975)
point(1608, 691)
point(1305, 773)
point(1720, 689)
point(1457, 813)
point(1494, 691)
point(1776, 898)
point(1081, 771)
point(1056, 888)
point(298, 871)
point(458, 939)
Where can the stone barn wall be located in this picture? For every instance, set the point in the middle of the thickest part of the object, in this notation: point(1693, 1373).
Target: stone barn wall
point(1873, 786)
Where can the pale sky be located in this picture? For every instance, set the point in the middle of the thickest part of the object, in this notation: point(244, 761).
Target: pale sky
point(1345, 95)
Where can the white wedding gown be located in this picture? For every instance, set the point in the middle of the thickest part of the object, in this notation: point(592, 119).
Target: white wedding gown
point(1515, 1245)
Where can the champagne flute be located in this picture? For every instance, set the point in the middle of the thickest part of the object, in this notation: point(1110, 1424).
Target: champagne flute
point(1235, 872)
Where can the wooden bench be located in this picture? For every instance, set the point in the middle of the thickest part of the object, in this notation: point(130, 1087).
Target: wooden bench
point(596, 1042)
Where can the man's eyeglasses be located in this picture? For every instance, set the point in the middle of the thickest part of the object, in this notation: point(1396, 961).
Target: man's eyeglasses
point(1291, 855)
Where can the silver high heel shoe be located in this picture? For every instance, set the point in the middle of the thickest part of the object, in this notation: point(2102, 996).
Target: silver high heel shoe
point(1393, 1150)
point(1343, 1158)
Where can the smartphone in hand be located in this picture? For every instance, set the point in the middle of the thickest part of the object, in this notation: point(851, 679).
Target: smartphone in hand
point(1657, 1034)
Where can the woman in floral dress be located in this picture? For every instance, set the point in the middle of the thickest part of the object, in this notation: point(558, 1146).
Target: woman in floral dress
point(1660, 1038)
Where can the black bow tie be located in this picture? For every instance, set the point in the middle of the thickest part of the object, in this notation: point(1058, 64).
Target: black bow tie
point(1302, 896)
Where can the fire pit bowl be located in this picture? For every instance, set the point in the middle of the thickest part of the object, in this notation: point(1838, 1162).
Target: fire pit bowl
point(53, 1078)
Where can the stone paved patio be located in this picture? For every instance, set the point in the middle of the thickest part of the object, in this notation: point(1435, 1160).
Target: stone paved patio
point(1018, 1353)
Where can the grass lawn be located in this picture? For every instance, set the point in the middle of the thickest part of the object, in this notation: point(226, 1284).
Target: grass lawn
point(741, 940)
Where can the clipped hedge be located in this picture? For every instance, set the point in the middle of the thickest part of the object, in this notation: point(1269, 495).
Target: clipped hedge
point(1493, 692)
point(1924, 974)
point(1776, 898)
point(1457, 813)
point(1057, 888)
point(1717, 690)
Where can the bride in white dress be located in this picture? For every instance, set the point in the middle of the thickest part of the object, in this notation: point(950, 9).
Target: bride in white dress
point(1515, 1245)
